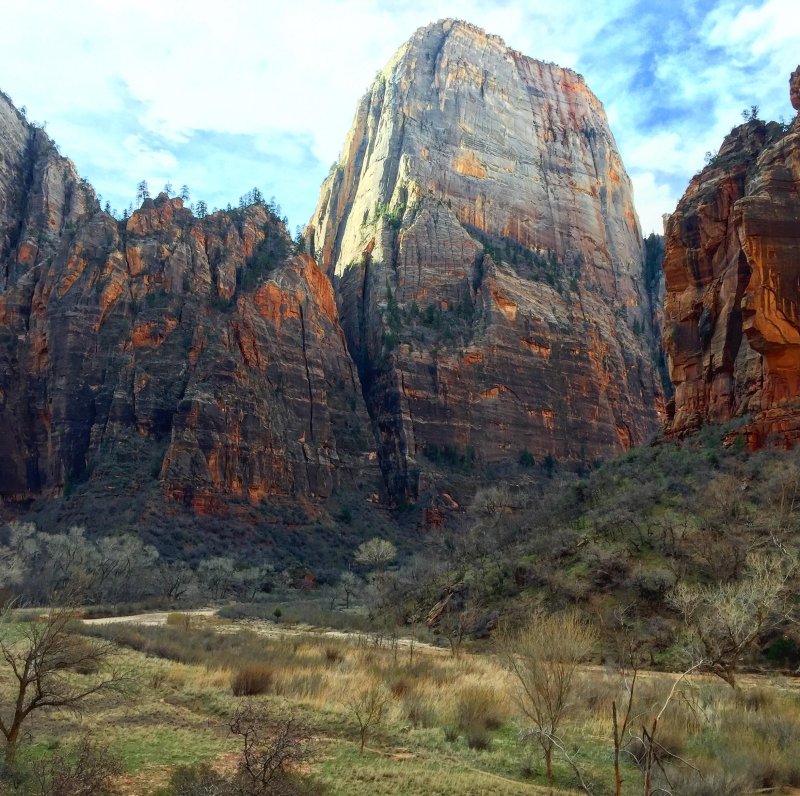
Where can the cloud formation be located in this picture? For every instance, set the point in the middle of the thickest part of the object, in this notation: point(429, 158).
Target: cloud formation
point(226, 96)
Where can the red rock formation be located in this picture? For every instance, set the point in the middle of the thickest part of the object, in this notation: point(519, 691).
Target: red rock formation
point(481, 234)
point(200, 356)
point(732, 321)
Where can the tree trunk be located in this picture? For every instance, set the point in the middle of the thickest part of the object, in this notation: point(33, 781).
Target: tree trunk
point(548, 759)
point(617, 774)
point(12, 741)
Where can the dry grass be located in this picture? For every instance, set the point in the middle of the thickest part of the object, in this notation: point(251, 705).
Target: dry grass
point(179, 619)
point(737, 740)
point(252, 680)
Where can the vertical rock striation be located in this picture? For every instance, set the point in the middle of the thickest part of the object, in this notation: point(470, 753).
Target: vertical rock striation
point(480, 232)
point(732, 323)
point(200, 355)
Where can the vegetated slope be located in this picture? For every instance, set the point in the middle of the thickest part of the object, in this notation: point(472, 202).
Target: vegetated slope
point(617, 542)
point(165, 362)
point(487, 260)
point(732, 325)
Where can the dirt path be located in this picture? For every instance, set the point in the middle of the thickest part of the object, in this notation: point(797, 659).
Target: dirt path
point(269, 629)
point(150, 618)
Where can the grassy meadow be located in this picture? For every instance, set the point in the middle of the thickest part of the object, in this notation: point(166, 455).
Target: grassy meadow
point(448, 724)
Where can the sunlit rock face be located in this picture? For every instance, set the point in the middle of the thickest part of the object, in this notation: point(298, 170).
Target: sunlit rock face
point(199, 354)
point(481, 235)
point(732, 270)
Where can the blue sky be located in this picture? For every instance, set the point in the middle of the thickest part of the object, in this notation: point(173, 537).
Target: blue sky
point(226, 96)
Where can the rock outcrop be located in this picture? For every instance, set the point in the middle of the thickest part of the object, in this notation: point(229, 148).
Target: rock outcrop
point(732, 269)
point(197, 354)
point(480, 232)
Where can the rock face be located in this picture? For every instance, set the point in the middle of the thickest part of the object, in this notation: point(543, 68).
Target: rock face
point(480, 232)
point(732, 312)
point(196, 353)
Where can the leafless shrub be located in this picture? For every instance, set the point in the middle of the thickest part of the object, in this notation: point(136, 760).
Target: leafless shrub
point(544, 656)
point(367, 706)
point(90, 769)
point(271, 748)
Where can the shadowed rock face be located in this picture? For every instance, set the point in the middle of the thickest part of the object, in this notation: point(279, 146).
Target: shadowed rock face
point(732, 319)
point(201, 349)
point(480, 231)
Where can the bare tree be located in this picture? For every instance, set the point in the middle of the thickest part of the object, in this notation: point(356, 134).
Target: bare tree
point(50, 666)
point(651, 752)
point(544, 656)
point(367, 705)
point(724, 621)
point(217, 576)
point(249, 581)
point(175, 578)
point(109, 568)
point(643, 747)
point(270, 747)
point(348, 586)
point(376, 553)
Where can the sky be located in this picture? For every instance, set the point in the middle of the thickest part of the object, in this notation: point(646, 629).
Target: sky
point(230, 95)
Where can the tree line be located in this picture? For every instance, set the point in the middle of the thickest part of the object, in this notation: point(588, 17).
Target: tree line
point(200, 208)
point(116, 569)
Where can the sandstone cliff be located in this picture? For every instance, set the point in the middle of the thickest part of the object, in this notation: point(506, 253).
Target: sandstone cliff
point(732, 323)
point(480, 232)
point(200, 355)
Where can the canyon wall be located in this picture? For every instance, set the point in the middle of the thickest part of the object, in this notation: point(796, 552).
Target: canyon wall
point(732, 272)
point(199, 354)
point(480, 232)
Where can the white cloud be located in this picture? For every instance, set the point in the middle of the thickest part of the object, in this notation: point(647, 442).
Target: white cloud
point(762, 29)
point(653, 199)
point(130, 88)
point(143, 159)
point(667, 151)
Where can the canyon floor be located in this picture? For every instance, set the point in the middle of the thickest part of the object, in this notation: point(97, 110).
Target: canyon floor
point(450, 723)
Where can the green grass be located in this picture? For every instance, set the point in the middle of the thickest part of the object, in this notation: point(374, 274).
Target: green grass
point(152, 746)
point(408, 773)
point(176, 713)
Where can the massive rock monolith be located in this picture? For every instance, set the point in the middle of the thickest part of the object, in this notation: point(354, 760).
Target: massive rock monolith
point(480, 231)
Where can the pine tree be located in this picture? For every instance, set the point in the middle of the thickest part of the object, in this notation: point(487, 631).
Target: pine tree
point(142, 191)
